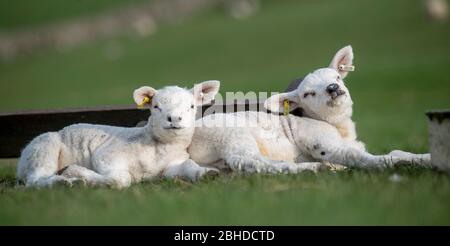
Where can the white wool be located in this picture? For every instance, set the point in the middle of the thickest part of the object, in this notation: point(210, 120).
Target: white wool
point(119, 156)
point(262, 142)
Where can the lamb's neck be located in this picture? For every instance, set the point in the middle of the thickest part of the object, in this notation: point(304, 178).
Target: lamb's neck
point(342, 120)
point(180, 141)
point(346, 128)
point(147, 134)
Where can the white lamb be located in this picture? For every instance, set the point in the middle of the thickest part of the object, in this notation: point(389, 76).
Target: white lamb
point(119, 156)
point(268, 143)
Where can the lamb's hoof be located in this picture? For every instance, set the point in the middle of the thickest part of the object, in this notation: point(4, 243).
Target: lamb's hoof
point(212, 173)
point(78, 182)
point(206, 174)
point(333, 167)
point(62, 182)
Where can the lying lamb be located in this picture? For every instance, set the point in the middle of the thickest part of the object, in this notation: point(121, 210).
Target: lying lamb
point(268, 143)
point(118, 156)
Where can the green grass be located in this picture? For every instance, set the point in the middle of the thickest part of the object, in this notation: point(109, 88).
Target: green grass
point(346, 198)
point(17, 14)
point(402, 66)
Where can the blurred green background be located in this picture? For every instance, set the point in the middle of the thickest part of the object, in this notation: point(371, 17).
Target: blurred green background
point(402, 70)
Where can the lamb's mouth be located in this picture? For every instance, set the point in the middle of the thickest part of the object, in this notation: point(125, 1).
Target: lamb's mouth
point(173, 128)
point(336, 94)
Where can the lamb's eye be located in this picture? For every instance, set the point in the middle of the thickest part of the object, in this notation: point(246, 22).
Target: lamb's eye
point(192, 106)
point(309, 93)
point(156, 107)
point(338, 77)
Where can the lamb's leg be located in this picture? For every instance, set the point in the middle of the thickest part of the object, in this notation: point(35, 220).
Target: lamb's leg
point(244, 155)
point(259, 164)
point(336, 151)
point(189, 170)
point(87, 176)
point(411, 156)
point(112, 170)
point(39, 162)
point(325, 164)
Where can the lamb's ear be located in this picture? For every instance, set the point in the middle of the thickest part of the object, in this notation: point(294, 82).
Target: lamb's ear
point(276, 103)
point(205, 92)
point(343, 61)
point(140, 95)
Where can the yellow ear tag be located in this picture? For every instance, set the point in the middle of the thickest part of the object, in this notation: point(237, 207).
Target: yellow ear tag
point(346, 68)
point(286, 107)
point(145, 101)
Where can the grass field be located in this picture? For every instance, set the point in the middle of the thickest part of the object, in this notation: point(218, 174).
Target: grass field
point(402, 69)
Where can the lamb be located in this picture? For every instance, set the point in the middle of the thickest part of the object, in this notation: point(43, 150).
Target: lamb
point(268, 143)
point(118, 156)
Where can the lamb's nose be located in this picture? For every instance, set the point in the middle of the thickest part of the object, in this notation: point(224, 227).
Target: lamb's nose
point(172, 118)
point(332, 88)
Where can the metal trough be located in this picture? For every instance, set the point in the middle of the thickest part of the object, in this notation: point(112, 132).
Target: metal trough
point(439, 137)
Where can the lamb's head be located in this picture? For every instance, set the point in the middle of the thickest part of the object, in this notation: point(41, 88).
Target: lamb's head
point(173, 108)
point(322, 94)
